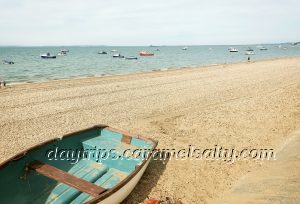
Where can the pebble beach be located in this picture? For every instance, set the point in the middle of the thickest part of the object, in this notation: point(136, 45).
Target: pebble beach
point(245, 104)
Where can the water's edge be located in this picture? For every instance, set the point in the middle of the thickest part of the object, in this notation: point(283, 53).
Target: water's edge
point(12, 84)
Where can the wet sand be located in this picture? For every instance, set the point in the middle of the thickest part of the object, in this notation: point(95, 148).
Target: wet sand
point(254, 105)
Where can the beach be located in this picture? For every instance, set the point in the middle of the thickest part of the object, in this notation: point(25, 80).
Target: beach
point(253, 105)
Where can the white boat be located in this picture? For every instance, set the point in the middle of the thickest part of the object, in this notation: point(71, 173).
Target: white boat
point(263, 48)
point(131, 58)
point(184, 48)
point(249, 53)
point(64, 50)
point(232, 49)
point(113, 50)
point(7, 62)
point(62, 53)
point(118, 56)
point(47, 56)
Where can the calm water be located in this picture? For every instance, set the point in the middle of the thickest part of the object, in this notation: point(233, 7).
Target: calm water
point(84, 61)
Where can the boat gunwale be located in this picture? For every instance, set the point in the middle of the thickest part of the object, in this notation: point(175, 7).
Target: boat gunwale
point(34, 147)
point(109, 192)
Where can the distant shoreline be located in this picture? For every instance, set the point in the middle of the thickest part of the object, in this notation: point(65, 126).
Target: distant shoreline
point(16, 83)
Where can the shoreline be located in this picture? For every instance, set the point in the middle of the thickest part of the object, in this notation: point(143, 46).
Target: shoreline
point(15, 83)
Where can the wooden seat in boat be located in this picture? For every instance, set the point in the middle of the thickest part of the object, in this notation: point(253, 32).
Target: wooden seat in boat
point(81, 183)
point(107, 181)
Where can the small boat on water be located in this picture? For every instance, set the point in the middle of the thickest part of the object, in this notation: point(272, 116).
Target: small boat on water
point(146, 54)
point(263, 48)
point(250, 49)
point(102, 53)
point(88, 166)
point(131, 58)
point(48, 56)
point(232, 49)
point(249, 53)
point(7, 62)
point(118, 56)
point(64, 50)
point(113, 50)
point(62, 53)
point(184, 48)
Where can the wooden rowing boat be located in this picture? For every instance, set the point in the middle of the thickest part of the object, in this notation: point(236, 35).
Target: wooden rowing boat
point(52, 173)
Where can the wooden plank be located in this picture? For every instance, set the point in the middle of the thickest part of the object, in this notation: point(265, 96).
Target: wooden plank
point(126, 139)
point(66, 178)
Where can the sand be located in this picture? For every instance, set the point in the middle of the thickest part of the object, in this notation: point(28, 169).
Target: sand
point(239, 105)
point(278, 182)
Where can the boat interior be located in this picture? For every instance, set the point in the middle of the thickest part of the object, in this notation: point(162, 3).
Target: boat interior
point(53, 172)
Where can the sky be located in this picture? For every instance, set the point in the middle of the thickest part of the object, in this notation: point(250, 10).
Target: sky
point(154, 22)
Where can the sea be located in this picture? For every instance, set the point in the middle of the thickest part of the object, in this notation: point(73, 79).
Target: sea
point(84, 61)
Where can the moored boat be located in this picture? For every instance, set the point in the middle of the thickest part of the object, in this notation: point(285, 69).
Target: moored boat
point(113, 50)
point(145, 54)
point(118, 56)
point(249, 53)
point(48, 56)
point(184, 48)
point(131, 58)
point(263, 48)
point(73, 168)
point(64, 50)
point(62, 53)
point(102, 53)
point(7, 62)
point(232, 49)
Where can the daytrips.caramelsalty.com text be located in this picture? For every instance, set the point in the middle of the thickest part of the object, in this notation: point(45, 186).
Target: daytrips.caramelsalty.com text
point(229, 155)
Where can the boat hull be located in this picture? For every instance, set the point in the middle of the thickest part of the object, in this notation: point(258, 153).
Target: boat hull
point(146, 54)
point(48, 57)
point(249, 53)
point(8, 62)
point(59, 179)
point(123, 193)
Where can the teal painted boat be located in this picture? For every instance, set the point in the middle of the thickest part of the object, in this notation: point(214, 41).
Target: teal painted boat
point(96, 165)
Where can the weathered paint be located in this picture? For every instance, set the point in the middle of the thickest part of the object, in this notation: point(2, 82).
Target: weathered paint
point(20, 185)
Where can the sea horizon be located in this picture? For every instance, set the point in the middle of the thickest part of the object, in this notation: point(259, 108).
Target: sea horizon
point(149, 45)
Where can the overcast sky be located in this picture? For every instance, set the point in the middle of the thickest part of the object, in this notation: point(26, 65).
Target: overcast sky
point(157, 22)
